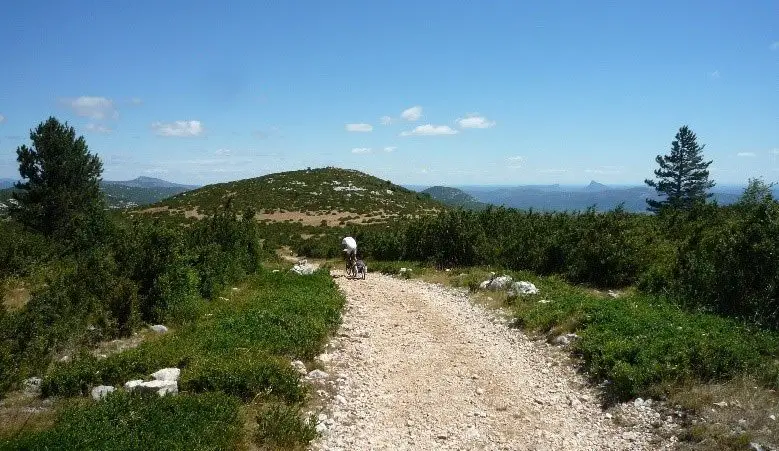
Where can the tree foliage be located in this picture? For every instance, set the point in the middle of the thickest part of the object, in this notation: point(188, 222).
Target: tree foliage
point(683, 176)
point(60, 192)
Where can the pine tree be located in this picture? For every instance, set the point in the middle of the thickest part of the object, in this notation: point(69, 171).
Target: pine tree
point(683, 176)
point(59, 194)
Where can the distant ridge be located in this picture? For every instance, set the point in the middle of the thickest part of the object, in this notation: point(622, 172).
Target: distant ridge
point(595, 186)
point(148, 182)
point(454, 197)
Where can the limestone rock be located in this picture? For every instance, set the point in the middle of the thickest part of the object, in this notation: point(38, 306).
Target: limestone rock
point(101, 391)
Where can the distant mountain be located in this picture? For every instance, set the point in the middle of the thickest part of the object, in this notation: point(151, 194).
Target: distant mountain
point(148, 182)
point(454, 197)
point(140, 191)
point(597, 195)
point(7, 183)
point(595, 187)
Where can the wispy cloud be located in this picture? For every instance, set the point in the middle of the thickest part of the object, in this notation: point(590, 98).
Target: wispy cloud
point(552, 171)
point(385, 120)
point(222, 152)
point(774, 45)
point(96, 108)
point(361, 150)
point(774, 151)
point(156, 171)
point(136, 101)
point(390, 149)
point(178, 128)
point(97, 128)
point(714, 75)
point(359, 127)
point(473, 120)
point(430, 130)
point(412, 114)
point(516, 159)
point(2, 118)
point(745, 154)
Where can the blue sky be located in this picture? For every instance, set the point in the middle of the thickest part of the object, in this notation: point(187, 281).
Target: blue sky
point(430, 92)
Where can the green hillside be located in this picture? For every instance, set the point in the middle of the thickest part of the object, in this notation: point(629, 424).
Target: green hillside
point(324, 196)
point(454, 197)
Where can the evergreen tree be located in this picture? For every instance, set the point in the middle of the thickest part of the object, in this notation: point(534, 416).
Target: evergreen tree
point(59, 194)
point(683, 176)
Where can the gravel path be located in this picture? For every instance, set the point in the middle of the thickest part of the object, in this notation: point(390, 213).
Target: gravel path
point(418, 366)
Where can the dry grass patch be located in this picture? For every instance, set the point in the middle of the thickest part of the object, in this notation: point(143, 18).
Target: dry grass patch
point(728, 414)
point(16, 294)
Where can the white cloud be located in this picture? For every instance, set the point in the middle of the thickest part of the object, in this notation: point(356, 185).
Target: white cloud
point(359, 127)
point(745, 154)
point(390, 148)
point(516, 159)
point(552, 171)
point(774, 151)
point(385, 120)
point(715, 75)
point(475, 121)
point(361, 150)
point(222, 152)
point(430, 130)
point(774, 45)
point(97, 108)
point(156, 171)
point(136, 101)
point(98, 128)
point(2, 118)
point(412, 114)
point(178, 128)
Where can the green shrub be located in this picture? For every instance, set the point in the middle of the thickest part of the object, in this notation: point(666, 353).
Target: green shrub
point(131, 422)
point(643, 344)
point(244, 375)
point(280, 426)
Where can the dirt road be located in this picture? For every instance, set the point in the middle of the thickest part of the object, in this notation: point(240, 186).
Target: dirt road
point(419, 366)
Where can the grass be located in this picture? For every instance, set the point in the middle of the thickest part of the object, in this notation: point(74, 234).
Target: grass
point(238, 351)
point(131, 422)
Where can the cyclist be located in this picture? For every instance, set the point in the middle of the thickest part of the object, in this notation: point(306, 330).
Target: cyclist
point(350, 253)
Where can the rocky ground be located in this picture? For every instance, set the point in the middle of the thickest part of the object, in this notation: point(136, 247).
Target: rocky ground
point(419, 366)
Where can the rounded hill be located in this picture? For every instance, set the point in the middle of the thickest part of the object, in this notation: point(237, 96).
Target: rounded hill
point(323, 196)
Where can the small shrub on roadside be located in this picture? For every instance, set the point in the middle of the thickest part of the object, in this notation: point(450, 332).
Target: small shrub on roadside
point(281, 426)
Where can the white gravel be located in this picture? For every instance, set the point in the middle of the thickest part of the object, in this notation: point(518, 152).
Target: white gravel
point(418, 366)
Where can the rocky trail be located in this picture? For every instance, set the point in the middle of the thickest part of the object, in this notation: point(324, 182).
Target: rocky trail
point(419, 366)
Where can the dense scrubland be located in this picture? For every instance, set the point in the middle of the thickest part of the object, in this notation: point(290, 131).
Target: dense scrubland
point(698, 303)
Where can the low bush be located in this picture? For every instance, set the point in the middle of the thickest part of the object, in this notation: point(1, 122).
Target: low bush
point(279, 427)
point(643, 344)
point(124, 422)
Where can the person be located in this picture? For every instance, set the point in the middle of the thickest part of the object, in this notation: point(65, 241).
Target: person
point(350, 250)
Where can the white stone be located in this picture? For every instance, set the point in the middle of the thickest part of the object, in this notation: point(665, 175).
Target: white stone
point(299, 366)
point(304, 269)
point(321, 428)
point(497, 283)
point(522, 288)
point(159, 328)
point(130, 385)
point(32, 385)
point(317, 375)
point(162, 388)
point(167, 374)
point(101, 391)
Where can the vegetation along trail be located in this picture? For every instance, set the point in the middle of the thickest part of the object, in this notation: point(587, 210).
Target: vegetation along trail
point(421, 367)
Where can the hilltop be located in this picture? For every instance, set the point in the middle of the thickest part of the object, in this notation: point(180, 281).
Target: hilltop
point(324, 196)
point(454, 197)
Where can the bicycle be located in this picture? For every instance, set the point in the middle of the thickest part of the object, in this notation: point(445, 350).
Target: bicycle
point(351, 268)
